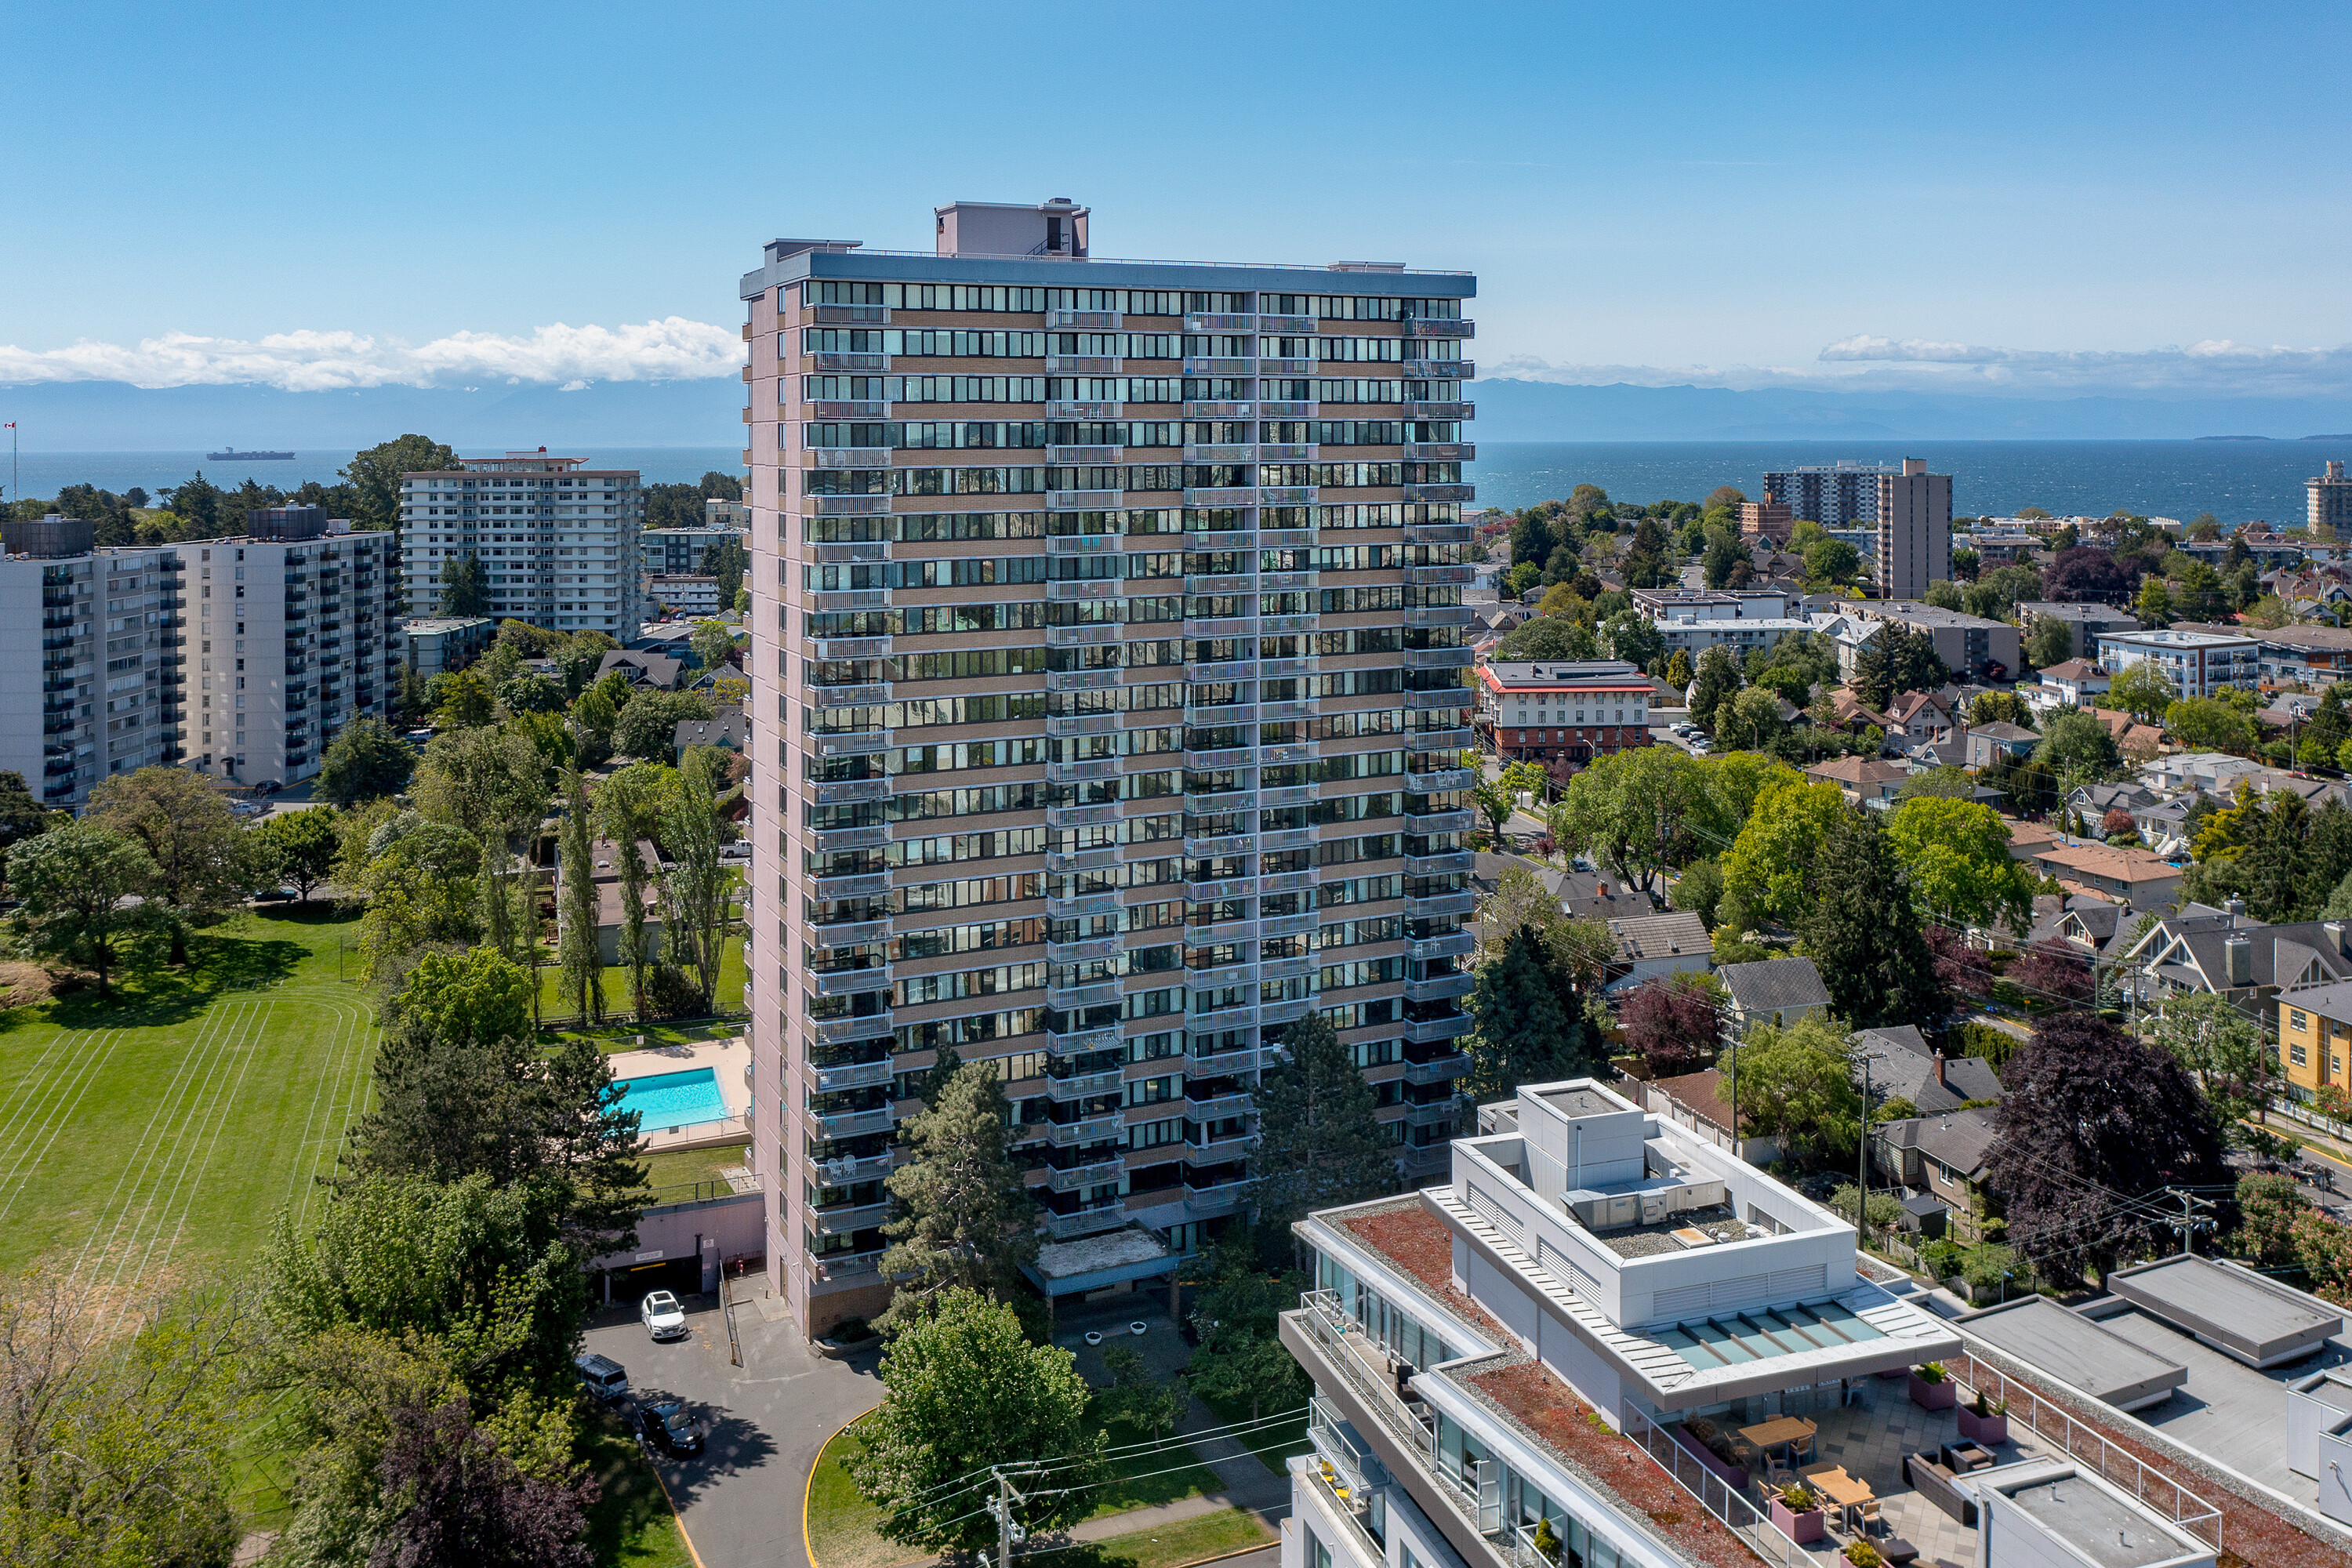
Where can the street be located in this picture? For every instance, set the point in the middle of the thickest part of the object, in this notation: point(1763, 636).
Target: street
point(740, 1499)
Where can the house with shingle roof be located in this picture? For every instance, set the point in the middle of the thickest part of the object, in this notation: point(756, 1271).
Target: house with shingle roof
point(1648, 945)
point(1776, 991)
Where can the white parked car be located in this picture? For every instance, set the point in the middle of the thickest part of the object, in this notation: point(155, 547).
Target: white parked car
point(664, 1318)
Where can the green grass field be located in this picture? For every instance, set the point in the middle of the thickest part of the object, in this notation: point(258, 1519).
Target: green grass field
point(153, 1138)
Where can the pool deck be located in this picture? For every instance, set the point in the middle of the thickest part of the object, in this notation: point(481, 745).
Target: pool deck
point(725, 1057)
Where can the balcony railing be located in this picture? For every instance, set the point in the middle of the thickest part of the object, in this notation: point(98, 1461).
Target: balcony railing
point(1085, 1221)
point(1439, 1070)
point(1093, 1174)
point(846, 1218)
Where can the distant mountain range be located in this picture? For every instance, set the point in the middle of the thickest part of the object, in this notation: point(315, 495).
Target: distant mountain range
point(110, 417)
point(1549, 411)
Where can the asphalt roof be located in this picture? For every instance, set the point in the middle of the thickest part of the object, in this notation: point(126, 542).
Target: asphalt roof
point(1774, 983)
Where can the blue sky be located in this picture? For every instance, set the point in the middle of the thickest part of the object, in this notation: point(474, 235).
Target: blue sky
point(2036, 197)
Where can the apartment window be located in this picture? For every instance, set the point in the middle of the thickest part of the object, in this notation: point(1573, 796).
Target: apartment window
point(2296, 1020)
point(2298, 1055)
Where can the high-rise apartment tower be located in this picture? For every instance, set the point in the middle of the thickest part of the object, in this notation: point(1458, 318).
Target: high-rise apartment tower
point(1914, 529)
point(2328, 511)
point(558, 541)
point(1106, 653)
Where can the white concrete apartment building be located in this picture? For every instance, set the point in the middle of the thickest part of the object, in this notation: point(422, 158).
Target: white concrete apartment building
point(559, 541)
point(1150, 575)
point(294, 639)
point(2198, 663)
point(683, 595)
point(104, 628)
point(2327, 510)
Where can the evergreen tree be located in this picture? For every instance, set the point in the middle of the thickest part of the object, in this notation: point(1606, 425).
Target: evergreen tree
point(1523, 1036)
point(1716, 682)
point(1319, 1145)
point(965, 1219)
point(1864, 932)
point(582, 963)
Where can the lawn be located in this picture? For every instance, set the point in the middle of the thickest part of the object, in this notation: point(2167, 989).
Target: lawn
point(632, 1524)
point(1195, 1540)
point(617, 1034)
point(841, 1523)
point(154, 1137)
point(677, 1167)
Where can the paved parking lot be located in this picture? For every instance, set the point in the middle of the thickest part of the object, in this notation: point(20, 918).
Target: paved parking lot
point(740, 1499)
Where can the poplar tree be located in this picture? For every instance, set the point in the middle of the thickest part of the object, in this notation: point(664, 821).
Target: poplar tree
point(576, 947)
point(626, 808)
point(694, 882)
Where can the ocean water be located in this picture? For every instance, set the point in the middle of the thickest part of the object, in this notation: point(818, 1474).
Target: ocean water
point(45, 473)
point(2237, 481)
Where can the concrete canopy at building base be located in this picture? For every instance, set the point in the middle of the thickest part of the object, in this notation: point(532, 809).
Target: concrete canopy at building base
point(1097, 1262)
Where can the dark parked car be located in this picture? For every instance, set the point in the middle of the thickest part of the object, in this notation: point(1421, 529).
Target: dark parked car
point(670, 1426)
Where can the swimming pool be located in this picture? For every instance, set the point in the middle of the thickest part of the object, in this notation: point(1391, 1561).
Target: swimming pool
point(674, 1098)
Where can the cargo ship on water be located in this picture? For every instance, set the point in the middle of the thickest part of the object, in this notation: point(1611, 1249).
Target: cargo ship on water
point(233, 455)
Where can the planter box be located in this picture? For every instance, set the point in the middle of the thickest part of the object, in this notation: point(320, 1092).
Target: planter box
point(1723, 1470)
point(1942, 1395)
point(1804, 1529)
point(1987, 1430)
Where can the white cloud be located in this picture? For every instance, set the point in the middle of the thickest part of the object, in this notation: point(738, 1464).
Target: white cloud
point(1867, 363)
point(672, 348)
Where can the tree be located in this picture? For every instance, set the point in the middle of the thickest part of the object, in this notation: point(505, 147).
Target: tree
point(694, 882)
point(85, 895)
point(2052, 641)
point(1717, 680)
point(648, 725)
point(456, 1496)
point(2094, 1120)
point(1797, 1085)
point(532, 693)
point(1863, 931)
point(1635, 638)
point(1524, 1035)
point(2000, 708)
point(628, 811)
point(1678, 669)
point(1546, 637)
point(2208, 724)
point(1699, 890)
point(2143, 691)
point(1318, 1145)
point(963, 1389)
point(461, 700)
point(966, 1223)
point(1137, 1398)
point(1495, 802)
point(2213, 1039)
point(471, 1265)
point(1944, 596)
point(421, 881)
point(577, 939)
point(366, 761)
point(2086, 574)
point(2268, 1207)
point(1724, 552)
point(1955, 856)
point(491, 783)
point(116, 1445)
point(2052, 971)
point(297, 847)
point(1831, 561)
point(22, 816)
point(711, 643)
point(2076, 748)
point(462, 1088)
point(728, 560)
point(1895, 660)
point(2154, 605)
point(465, 586)
point(1769, 872)
point(188, 831)
point(1237, 1315)
point(1674, 1021)
point(374, 476)
point(1959, 968)
point(1750, 721)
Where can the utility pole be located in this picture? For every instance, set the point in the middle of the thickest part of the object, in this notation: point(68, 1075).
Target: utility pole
point(2191, 1220)
point(1009, 1532)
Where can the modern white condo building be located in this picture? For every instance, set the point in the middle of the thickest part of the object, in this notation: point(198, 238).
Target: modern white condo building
point(295, 638)
point(95, 638)
point(559, 542)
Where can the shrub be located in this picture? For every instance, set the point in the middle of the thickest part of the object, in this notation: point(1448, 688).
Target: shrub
point(1546, 1542)
point(1863, 1555)
point(1799, 1498)
point(1986, 1263)
point(1929, 1371)
point(1986, 1407)
point(1942, 1257)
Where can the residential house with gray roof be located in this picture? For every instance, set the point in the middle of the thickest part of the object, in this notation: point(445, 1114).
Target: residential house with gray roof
point(1776, 991)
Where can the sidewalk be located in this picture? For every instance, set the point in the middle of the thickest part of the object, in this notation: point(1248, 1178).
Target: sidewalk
point(1246, 1484)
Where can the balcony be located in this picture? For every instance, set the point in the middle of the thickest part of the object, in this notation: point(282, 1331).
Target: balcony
point(1453, 944)
point(855, 934)
point(1439, 864)
point(1083, 364)
point(1414, 409)
point(1084, 637)
point(1440, 658)
point(1219, 496)
point(1450, 738)
point(1217, 1108)
point(1088, 1220)
point(1429, 1031)
point(1084, 320)
point(1205, 409)
point(1440, 904)
point(1436, 1113)
point(1443, 988)
point(1440, 577)
point(847, 1171)
point(850, 743)
point(1083, 1086)
point(1072, 593)
point(1223, 1064)
point(853, 315)
point(1266, 366)
point(1084, 543)
point(857, 885)
point(850, 791)
point(1438, 1070)
point(834, 1266)
point(1439, 452)
point(848, 408)
point(1093, 859)
point(852, 1124)
point(1287, 495)
point(1439, 327)
point(1087, 412)
point(849, 598)
point(849, 458)
point(844, 1219)
point(853, 981)
point(1100, 994)
point(873, 694)
point(1441, 493)
point(847, 506)
point(1082, 772)
point(1213, 365)
point(1093, 1174)
point(1224, 321)
point(1202, 1203)
point(1063, 1046)
point(841, 1031)
point(1438, 615)
point(1081, 815)
point(1222, 1151)
point(1062, 726)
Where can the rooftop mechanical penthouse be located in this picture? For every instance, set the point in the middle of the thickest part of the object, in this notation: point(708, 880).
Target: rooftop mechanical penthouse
point(1107, 646)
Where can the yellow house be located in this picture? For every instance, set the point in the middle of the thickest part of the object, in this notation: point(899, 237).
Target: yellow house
point(2316, 1037)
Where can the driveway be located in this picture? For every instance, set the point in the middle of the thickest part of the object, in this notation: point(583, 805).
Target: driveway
point(740, 1499)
